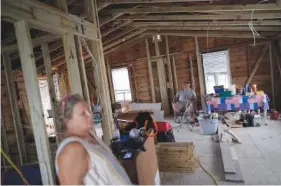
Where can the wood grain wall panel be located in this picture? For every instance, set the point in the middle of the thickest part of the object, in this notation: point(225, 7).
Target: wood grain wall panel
point(242, 60)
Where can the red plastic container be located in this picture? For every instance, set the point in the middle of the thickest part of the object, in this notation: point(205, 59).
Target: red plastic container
point(164, 126)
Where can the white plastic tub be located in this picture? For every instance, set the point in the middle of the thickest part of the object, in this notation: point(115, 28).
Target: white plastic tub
point(208, 126)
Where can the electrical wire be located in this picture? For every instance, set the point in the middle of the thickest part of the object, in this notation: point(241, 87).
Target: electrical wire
point(213, 178)
point(15, 167)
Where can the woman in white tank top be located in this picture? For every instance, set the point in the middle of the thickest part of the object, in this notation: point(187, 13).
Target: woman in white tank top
point(82, 158)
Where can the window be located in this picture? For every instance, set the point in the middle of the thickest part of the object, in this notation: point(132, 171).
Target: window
point(121, 84)
point(216, 70)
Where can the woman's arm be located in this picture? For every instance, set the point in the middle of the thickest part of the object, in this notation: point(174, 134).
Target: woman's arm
point(73, 163)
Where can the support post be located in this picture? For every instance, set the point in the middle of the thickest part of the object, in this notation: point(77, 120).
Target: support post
point(109, 76)
point(100, 72)
point(175, 73)
point(200, 73)
point(272, 75)
point(51, 86)
point(192, 72)
point(170, 76)
point(72, 64)
point(162, 81)
point(34, 100)
point(82, 70)
point(14, 107)
point(152, 90)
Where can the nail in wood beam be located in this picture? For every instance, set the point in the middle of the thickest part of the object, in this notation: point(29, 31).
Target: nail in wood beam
point(72, 63)
point(152, 90)
point(200, 73)
point(162, 81)
point(257, 64)
point(51, 86)
point(35, 102)
point(100, 75)
point(175, 73)
point(272, 75)
point(170, 76)
point(14, 107)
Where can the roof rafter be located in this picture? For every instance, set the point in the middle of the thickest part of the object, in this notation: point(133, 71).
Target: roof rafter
point(203, 8)
point(239, 16)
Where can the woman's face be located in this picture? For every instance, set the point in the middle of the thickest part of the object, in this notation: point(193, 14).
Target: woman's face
point(82, 121)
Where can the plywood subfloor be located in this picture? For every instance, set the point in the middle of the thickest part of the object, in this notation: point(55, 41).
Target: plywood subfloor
point(259, 156)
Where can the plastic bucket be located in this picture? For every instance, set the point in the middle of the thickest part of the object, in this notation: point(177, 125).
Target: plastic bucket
point(208, 126)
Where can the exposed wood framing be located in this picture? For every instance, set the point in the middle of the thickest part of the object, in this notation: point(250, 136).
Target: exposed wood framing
point(82, 70)
point(51, 86)
point(204, 34)
point(272, 75)
point(170, 76)
point(47, 18)
point(192, 72)
point(35, 42)
point(124, 39)
point(175, 74)
point(127, 44)
point(62, 5)
point(202, 8)
point(123, 34)
point(216, 28)
point(151, 82)
point(117, 27)
point(200, 73)
point(234, 16)
point(110, 18)
point(14, 108)
point(206, 23)
point(34, 99)
point(72, 64)
point(4, 141)
point(110, 83)
point(162, 81)
point(155, 1)
point(257, 64)
point(100, 76)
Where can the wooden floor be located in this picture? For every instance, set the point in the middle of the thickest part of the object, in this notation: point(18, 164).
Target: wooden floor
point(259, 156)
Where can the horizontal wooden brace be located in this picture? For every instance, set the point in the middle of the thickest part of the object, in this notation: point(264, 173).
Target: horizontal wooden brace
point(43, 17)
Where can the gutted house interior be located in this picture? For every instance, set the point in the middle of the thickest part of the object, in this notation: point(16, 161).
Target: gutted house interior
point(135, 51)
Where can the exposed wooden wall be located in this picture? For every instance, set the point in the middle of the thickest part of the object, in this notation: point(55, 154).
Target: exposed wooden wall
point(242, 59)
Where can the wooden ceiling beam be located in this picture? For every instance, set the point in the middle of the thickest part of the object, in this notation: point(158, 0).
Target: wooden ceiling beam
point(221, 28)
point(204, 34)
point(203, 8)
point(207, 23)
point(47, 18)
point(35, 42)
point(157, 1)
point(110, 18)
point(124, 39)
point(127, 44)
point(122, 34)
point(229, 16)
point(115, 28)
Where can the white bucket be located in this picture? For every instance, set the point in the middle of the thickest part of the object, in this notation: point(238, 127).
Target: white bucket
point(208, 126)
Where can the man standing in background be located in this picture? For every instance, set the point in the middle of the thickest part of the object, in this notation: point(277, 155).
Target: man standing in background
point(186, 97)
